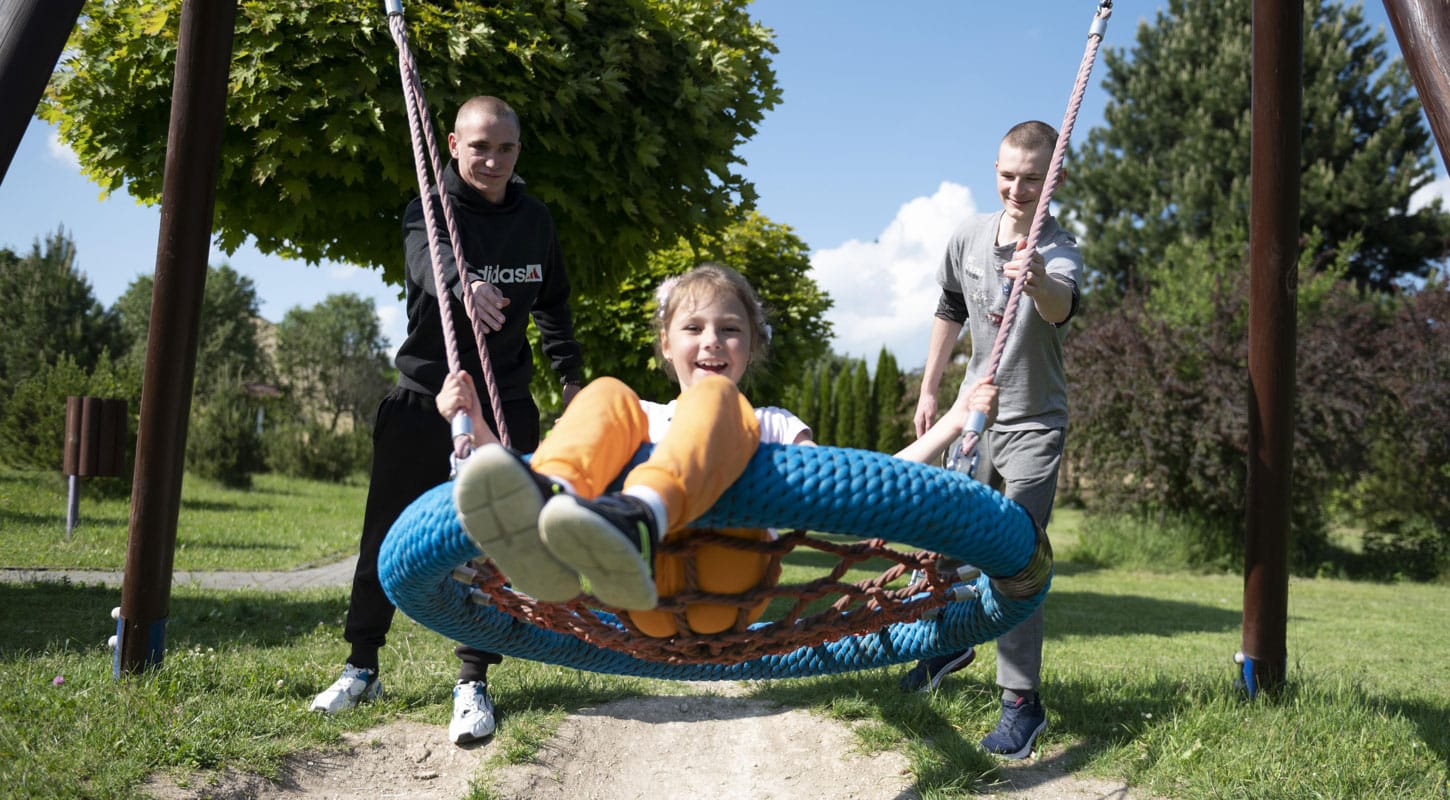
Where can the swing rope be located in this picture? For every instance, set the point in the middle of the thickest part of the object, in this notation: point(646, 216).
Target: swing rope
point(1096, 32)
point(425, 156)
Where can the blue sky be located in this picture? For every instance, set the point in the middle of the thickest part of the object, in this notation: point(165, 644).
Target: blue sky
point(883, 142)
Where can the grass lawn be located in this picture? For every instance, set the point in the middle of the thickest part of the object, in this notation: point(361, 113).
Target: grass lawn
point(280, 523)
point(1138, 672)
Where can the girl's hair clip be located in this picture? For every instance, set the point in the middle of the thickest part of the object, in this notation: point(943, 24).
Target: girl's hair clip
point(662, 292)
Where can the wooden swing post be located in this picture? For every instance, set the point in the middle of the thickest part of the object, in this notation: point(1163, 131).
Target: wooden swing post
point(1422, 28)
point(188, 194)
point(1277, 101)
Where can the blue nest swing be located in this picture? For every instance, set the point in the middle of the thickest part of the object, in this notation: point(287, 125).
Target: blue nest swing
point(823, 489)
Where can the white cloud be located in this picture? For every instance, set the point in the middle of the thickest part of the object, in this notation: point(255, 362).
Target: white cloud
point(886, 291)
point(342, 273)
point(1422, 198)
point(60, 151)
point(394, 325)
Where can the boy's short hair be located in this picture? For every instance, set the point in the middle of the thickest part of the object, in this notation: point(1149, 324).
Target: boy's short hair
point(1032, 135)
point(488, 105)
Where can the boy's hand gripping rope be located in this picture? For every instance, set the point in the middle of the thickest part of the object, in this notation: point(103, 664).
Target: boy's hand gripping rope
point(425, 156)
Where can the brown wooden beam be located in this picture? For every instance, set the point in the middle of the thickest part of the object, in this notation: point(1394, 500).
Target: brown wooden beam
point(1423, 30)
point(188, 196)
point(1278, 57)
point(32, 36)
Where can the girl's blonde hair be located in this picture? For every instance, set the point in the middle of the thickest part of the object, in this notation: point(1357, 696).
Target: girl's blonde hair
point(707, 281)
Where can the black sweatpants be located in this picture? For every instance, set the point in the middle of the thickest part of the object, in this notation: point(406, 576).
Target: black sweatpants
point(411, 443)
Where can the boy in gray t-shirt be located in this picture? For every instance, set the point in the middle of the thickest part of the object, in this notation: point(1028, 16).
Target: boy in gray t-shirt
point(1021, 452)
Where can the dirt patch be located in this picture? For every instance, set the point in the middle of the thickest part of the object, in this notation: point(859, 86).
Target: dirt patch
point(660, 748)
point(400, 761)
point(697, 747)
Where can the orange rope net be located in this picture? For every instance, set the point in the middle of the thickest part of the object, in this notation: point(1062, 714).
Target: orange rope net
point(860, 607)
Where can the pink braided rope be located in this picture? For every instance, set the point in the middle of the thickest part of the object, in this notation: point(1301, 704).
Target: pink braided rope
point(1039, 217)
point(425, 155)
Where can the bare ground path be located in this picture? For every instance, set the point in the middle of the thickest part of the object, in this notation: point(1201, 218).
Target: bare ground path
point(644, 748)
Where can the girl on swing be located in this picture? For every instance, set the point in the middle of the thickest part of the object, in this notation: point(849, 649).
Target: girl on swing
point(555, 534)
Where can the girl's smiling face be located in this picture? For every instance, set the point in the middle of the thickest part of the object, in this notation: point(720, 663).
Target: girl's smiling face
point(707, 335)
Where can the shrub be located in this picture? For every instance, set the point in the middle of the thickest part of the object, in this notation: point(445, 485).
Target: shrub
point(222, 443)
point(310, 450)
point(32, 426)
point(1160, 419)
point(1403, 500)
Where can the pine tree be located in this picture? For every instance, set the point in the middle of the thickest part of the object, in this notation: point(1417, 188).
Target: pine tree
point(808, 397)
point(863, 411)
point(1172, 164)
point(50, 312)
point(844, 400)
point(886, 394)
point(825, 396)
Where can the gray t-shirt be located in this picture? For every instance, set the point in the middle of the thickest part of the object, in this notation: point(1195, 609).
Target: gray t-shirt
point(1032, 384)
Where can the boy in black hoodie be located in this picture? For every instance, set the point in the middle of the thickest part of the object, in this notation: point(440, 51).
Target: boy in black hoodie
point(513, 263)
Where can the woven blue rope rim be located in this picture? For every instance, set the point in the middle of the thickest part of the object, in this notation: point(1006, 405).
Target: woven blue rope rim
point(825, 489)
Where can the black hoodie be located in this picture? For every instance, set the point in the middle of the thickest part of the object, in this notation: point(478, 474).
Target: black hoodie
point(512, 245)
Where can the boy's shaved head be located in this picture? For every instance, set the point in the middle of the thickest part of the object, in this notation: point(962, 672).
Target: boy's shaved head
point(486, 106)
point(1032, 135)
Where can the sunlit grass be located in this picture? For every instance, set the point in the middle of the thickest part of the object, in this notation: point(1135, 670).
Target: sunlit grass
point(1138, 677)
point(280, 523)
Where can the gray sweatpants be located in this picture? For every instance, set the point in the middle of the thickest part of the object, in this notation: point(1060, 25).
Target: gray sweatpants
point(1022, 465)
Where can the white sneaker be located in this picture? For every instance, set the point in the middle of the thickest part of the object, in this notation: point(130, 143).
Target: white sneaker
point(356, 685)
point(472, 713)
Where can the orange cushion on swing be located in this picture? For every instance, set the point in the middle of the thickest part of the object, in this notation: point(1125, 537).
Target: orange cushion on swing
point(718, 570)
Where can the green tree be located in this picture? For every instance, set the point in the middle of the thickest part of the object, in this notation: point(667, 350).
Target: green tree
point(50, 312)
point(1172, 164)
point(843, 402)
point(227, 339)
point(802, 399)
point(863, 409)
point(222, 442)
point(886, 396)
point(822, 380)
point(632, 111)
point(333, 360)
point(623, 338)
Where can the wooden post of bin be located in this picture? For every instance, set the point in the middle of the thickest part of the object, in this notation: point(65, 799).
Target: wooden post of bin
point(72, 463)
point(95, 446)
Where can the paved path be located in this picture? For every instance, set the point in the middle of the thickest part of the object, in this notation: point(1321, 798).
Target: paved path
point(339, 574)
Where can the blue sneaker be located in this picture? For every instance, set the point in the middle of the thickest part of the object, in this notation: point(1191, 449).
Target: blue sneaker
point(930, 672)
point(1022, 721)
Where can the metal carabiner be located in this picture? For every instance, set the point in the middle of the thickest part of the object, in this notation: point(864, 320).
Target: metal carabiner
point(1099, 27)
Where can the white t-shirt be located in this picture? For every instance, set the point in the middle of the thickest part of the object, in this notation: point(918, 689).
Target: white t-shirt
point(777, 426)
